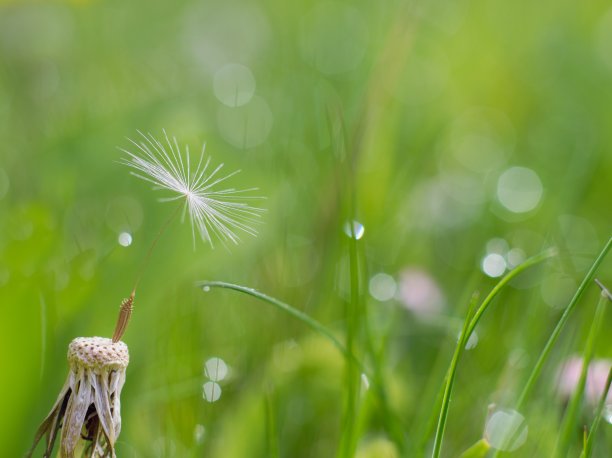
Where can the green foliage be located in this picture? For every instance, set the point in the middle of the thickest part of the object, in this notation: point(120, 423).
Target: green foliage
point(461, 136)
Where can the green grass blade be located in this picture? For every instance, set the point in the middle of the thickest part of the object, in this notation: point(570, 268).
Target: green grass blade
point(534, 260)
point(321, 329)
point(450, 380)
point(304, 318)
point(469, 326)
point(569, 420)
point(598, 414)
point(535, 373)
point(478, 450)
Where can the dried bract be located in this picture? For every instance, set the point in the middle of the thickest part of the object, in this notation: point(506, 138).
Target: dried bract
point(88, 409)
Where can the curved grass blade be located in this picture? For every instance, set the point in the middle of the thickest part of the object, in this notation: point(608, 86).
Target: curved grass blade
point(304, 318)
point(450, 380)
point(535, 373)
point(569, 420)
point(588, 447)
point(478, 450)
point(534, 260)
point(469, 326)
point(313, 324)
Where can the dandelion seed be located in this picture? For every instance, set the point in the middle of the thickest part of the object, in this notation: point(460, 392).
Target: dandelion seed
point(88, 408)
point(223, 213)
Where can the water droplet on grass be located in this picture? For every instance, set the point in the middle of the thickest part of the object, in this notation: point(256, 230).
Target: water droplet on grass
point(357, 230)
point(607, 413)
point(472, 341)
point(365, 382)
point(125, 239)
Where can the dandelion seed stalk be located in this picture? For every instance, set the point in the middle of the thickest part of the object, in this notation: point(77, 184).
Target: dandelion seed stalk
point(221, 213)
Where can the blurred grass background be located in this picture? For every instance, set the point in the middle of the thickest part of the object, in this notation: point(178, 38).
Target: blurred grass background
point(409, 117)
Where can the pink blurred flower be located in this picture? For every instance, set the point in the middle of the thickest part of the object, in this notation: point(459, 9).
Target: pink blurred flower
point(419, 292)
point(597, 374)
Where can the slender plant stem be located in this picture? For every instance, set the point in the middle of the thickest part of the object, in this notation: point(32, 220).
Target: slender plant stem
point(535, 373)
point(588, 447)
point(469, 326)
point(271, 426)
point(537, 369)
point(352, 314)
point(127, 306)
point(569, 420)
point(147, 257)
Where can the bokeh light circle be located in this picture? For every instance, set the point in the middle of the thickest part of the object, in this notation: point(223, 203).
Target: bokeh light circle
point(211, 391)
point(519, 189)
point(494, 265)
point(506, 430)
point(234, 85)
point(382, 287)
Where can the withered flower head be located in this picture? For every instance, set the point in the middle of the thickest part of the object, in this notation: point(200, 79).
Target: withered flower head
point(88, 408)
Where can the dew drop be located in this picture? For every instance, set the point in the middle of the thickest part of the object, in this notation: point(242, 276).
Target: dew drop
point(607, 413)
point(365, 382)
point(357, 229)
point(472, 341)
point(125, 239)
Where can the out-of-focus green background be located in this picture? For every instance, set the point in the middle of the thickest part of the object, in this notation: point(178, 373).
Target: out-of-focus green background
point(475, 134)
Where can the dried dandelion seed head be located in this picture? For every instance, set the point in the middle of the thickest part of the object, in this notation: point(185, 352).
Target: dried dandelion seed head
point(88, 408)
